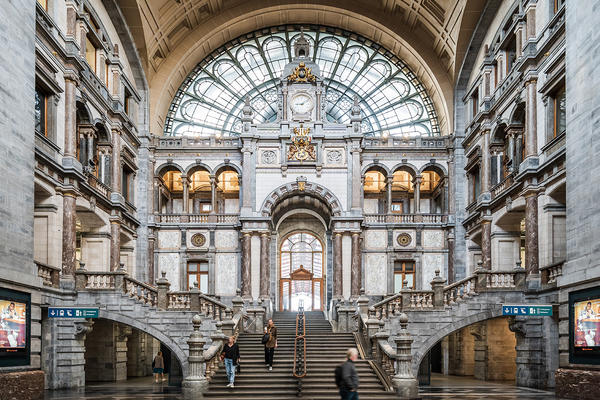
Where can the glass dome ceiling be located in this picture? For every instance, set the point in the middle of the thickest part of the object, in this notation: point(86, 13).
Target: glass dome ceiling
point(210, 100)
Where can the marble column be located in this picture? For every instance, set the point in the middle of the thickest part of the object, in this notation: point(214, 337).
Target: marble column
point(186, 193)
point(246, 265)
point(531, 234)
point(213, 194)
point(265, 265)
point(69, 235)
point(71, 82)
point(511, 149)
point(356, 273)
point(246, 178)
point(531, 118)
point(116, 161)
point(450, 238)
point(485, 162)
point(417, 186)
point(115, 244)
point(338, 276)
point(151, 276)
point(486, 244)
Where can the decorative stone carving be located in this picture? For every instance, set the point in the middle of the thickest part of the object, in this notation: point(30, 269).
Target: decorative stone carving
point(198, 240)
point(269, 157)
point(404, 239)
point(82, 328)
point(334, 157)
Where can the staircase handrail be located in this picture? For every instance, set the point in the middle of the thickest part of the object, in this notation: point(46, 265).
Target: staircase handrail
point(300, 346)
point(385, 361)
point(140, 291)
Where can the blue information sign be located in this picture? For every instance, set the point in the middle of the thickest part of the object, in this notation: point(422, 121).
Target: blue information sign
point(72, 312)
point(527, 309)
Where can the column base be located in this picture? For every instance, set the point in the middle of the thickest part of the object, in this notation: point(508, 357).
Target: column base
point(194, 387)
point(406, 388)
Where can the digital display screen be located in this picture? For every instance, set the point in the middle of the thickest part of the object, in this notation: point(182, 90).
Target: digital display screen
point(13, 326)
point(587, 324)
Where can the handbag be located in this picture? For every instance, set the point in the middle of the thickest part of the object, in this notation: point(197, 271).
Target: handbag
point(238, 369)
point(265, 338)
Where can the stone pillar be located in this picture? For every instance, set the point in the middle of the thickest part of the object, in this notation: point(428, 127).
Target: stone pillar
point(450, 241)
point(246, 265)
point(186, 193)
point(356, 177)
point(162, 298)
point(481, 350)
point(213, 194)
point(417, 194)
point(69, 235)
point(115, 243)
point(116, 161)
point(531, 234)
point(486, 244)
point(265, 265)
point(356, 275)
point(246, 178)
point(195, 384)
point(388, 187)
point(71, 82)
point(485, 162)
point(151, 257)
point(337, 266)
point(437, 285)
point(404, 382)
point(511, 149)
point(531, 118)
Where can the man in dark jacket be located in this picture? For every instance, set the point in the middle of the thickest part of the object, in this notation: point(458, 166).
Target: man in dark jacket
point(349, 382)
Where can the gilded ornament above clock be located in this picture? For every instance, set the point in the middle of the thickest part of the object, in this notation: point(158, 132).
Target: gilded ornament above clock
point(302, 74)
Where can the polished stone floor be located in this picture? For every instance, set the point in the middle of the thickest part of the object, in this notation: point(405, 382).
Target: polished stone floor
point(441, 388)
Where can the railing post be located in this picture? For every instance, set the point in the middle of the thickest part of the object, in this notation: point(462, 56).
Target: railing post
point(227, 325)
point(404, 382)
point(379, 336)
point(119, 277)
point(481, 281)
point(372, 328)
point(195, 298)
point(195, 384)
point(405, 295)
point(521, 278)
point(437, 285)
point(80, 277)
point(163, 286)
point(237, 302)
point(259, 318)
point(363, 303)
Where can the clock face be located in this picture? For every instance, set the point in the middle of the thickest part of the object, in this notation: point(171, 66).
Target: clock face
point(302, 104)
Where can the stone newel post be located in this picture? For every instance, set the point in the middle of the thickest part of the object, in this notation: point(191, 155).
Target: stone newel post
point(163, 290)
point(437, 285)
point(405, 383)
point(195, 384)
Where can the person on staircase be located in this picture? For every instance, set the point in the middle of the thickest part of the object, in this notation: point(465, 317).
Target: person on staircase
point(271, 343)
point(264, 341)
point(349, 382)
point(231, 354)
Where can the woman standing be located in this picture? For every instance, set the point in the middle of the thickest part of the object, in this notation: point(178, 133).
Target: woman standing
point(158, 367)
point(231, 352)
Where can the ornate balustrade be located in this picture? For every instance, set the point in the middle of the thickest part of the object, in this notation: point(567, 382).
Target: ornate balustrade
point(179, 301)
point(460, 290)
point(406, 218)
point(140, 291)
point(50, 275)
point(551, 272)
point(229, 218)
point(99, 186)
point(502, 186)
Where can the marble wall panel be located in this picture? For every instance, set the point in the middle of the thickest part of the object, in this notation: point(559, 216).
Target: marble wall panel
point(431, 262)
point(226, 274)
point(169, 263)
point(376, 274)
point(255, 265)
point(226, 240)
point(169, 239)
point(346, 265)
point(370, 206)
point(433, 239)
point(375, 239)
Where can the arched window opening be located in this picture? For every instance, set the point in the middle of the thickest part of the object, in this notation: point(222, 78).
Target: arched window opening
point(402, 192)
point(374, 187)
point(228, 192)
point(201, 192)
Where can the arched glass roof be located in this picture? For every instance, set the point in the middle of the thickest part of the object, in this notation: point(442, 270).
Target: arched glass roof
point(210, 100)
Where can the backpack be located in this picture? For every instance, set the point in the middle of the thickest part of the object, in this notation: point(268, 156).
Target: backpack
point(339, 375)
point(265, 338)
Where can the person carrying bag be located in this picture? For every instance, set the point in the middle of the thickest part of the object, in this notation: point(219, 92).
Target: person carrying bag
point(231, 354)
point(264, 341)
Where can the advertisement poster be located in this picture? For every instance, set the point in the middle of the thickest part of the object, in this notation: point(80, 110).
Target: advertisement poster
point(587, 323)
point(13, 326)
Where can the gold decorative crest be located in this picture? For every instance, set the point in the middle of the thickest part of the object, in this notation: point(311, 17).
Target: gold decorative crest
point(302, 74)
point(301, 149)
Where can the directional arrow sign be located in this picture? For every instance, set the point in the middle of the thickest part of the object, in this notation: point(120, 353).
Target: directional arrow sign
point(72, 312)
point(527, 309)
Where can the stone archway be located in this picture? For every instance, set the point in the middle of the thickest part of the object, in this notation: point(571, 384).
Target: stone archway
point(301, 187)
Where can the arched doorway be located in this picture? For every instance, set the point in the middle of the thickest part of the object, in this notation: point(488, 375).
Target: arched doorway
point(301, 272)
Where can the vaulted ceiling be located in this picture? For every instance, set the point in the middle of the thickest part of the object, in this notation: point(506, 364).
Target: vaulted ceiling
point(173, 36)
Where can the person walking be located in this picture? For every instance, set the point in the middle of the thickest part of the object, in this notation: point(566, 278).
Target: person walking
point(158, 367)
point(271, 343)
point(264, 341)
point(231, 353)
point(346, 377)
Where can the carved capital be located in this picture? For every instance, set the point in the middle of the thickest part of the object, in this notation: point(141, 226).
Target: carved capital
point(82, 328)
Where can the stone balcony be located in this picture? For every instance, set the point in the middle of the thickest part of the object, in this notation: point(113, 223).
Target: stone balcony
point(198, 219)
point(406, 219)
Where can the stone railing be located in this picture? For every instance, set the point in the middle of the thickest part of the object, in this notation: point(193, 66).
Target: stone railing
point(140, 291)
point(99, 186)
point(502, 186)
point(178, 301)
point(445, 296)
point(228, 218)
point(406, 218)
point(551, 272)
point(50, 275)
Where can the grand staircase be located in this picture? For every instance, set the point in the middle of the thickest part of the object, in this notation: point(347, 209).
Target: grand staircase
point(325, 350)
